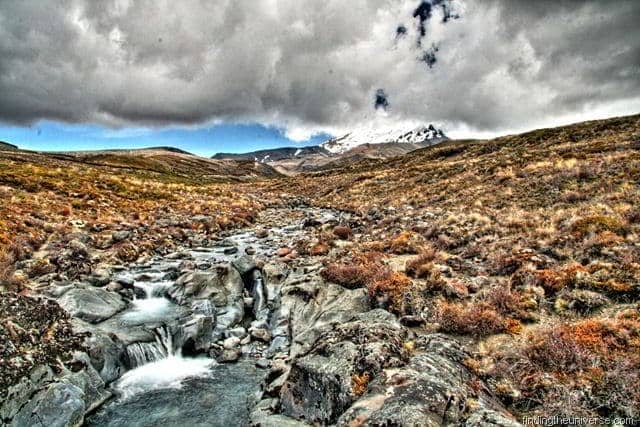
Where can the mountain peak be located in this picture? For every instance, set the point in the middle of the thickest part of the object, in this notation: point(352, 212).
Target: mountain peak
point(418, 135)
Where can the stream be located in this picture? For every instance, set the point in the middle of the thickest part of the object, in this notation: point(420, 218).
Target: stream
point(171, 379)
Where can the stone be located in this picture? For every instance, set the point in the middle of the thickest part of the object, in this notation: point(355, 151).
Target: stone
point(120, 236)
point(231, 343)
point(230, 355)
point(126, 282)
point(319, 385)
point(261, 334)
point(250, 250)
point(239, 332)
point(195, 333)
point(92, 304)
point(245, 266)
point(434, 388)
point(263, 363)
point(114, 287)
point(282, 252)
point(59, 404)
point(230, 250)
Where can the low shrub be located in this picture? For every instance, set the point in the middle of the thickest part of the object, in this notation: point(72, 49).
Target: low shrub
point(343, 232)
point(421, 266)
point(477, 319)
point(348, 275)
point(405, 243)
point(394, 291)
point(598, 224)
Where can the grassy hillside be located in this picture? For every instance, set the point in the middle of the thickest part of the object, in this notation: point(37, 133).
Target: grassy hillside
point(160, 199)
point(525, 246)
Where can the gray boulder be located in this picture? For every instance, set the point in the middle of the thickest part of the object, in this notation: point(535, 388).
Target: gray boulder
point(59, 404)
point(433, 389)
point(319, 387)
point(91, 304)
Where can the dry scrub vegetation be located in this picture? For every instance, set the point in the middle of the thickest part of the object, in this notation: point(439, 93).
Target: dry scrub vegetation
point(118, 213)
point(525, 246)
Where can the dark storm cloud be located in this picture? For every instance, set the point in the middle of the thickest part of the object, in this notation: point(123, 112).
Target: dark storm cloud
point(310, 66)
point(381, 100)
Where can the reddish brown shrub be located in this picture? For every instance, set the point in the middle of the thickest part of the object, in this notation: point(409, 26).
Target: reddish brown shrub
point(475, 319)
point(360, 383)
point(392, 290)
point(405, 243)
point(342, 232)
point(348, 275)
point(319, 249)
point(421, 265)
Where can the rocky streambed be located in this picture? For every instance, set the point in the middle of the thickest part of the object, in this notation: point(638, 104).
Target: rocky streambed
point(245, 332)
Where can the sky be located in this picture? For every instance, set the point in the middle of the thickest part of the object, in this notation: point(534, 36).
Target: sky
point(240, 75)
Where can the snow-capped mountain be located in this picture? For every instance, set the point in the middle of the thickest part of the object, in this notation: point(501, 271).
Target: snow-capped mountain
point(419, 135)
point(337, 152)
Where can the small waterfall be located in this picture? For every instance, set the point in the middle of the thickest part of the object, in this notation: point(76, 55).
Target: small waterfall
point(153, 289)
point(141, 353)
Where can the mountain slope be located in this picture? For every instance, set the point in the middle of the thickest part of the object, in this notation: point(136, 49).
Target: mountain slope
point(173, 161)
point(275, 154)
point(7, 146)
point(341, 151)
point(524, 246)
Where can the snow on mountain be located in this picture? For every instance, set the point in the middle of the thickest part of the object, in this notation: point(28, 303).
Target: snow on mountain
point(419, 135)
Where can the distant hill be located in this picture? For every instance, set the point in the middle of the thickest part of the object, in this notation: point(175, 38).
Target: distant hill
point(338, 152)
point(157, 160)
point(7, 146)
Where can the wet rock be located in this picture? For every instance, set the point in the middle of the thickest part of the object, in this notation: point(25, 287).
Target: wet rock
point(412, 321)
point(195, 333)
point(231, 250)
point(250, 250)
point(107, 354)
point(226, 243)
point(230, 355)
point(91, 304)
point(113, 287)
point(231, 343)
point(261, 334)
point(99, 277)
point(312, 307)
point(89, 381)
point(44, 399)
point(223, 287)
point(239, 332)
point(245, 266)
point(59, 404)
point(261, 233)
point(126, 282)
point(263, 363)
point(20, 393)
point(311, 223)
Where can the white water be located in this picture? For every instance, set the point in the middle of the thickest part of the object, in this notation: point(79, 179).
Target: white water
point(164, 373)
point(153, 289)
point(148, 310)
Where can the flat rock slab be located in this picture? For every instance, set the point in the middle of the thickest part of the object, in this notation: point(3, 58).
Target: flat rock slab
point(90, 304)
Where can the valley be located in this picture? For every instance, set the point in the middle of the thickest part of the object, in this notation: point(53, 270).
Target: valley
point(466, 282)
